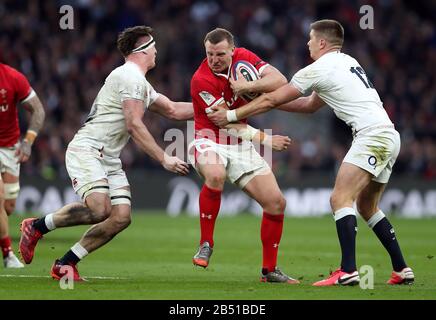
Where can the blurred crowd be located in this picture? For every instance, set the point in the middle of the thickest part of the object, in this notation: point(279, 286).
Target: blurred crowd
point(67, 68)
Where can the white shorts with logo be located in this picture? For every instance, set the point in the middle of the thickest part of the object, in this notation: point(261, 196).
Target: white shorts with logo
point(242, 161)
point(375, 150)
point(86, 165)
point(8, 160)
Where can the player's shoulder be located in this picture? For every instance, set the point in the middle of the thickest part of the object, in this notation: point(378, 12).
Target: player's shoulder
point(127, 72)
point(11, 71)
point(242, 50)
point(242, 53)
point(202, 75)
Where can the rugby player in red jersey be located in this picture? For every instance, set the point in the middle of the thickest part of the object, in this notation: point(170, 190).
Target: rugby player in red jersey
point(14, 90)
point(218, 157)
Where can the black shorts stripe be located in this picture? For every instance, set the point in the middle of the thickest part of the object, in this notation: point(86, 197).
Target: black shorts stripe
point(99, 187)
point(118, 197)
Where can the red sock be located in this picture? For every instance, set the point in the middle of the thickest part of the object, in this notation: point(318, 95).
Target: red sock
point(5, 243)
point(210, 201)
point(270, 234)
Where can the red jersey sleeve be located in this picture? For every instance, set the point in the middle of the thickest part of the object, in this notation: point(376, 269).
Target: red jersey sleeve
point(22, 86)
point(251, 57)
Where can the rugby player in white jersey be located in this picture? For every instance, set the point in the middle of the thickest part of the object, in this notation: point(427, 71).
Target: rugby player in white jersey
point(337, 79)
point(93, 156)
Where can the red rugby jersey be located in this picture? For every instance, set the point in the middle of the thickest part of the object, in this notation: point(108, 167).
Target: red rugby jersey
point(207, 88)
point(14, 88)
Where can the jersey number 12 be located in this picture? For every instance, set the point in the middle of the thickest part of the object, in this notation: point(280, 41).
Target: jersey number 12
point(358, 71)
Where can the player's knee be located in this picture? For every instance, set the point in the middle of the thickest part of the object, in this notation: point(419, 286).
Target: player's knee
point(101, 211)
point(276, 204)
point(216, 180)
point(365, 207)
point(336, 201)
point(9, 206)
point(122, 222)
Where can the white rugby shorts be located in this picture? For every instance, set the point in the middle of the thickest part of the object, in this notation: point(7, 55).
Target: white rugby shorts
point(8, 160)
point(86, 165)
point(242, 161)
point(375, 150)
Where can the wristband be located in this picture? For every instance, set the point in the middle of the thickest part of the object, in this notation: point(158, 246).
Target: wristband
point(231, 116)
point(30, 136)
point(248, 133)
point(266, 139)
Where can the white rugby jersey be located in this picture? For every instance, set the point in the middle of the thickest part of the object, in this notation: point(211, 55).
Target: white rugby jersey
point(105, 128)
point(341, 82)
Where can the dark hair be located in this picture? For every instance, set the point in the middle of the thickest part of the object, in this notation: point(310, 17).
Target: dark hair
point(331, 30)
point(219, 34)
point(128, 38)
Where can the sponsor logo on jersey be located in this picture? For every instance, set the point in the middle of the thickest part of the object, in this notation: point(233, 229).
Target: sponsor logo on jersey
point(207, 97)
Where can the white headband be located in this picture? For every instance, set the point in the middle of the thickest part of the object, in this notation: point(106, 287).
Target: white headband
point(143, 47)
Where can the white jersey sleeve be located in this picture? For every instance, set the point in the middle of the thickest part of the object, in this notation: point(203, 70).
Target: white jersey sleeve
point(105, 128)
point(305, 79)
point(136, 87)
point(341, 82)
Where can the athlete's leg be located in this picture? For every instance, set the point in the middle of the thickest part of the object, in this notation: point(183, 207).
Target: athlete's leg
point(97, 208)
point(4, 224)
point(349, 182)
point(367, 205)
point(12, 187)
point(264, 189)
point(211, 168)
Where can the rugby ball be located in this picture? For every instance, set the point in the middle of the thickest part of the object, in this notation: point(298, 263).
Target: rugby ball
point(249, 72)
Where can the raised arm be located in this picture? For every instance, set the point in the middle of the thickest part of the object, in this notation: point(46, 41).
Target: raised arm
point(34, 106)
point(172, 110)
point(133, 112)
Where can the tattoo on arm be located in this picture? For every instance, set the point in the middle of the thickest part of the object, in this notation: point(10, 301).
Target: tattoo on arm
point(34, 106)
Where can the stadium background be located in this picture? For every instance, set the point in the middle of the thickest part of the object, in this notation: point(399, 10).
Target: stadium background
point(67, 68)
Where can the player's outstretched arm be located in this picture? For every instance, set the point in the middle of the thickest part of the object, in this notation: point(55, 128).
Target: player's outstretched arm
point(259, 105)
point(248, 133)
point(133, 112)
point(172, 110)
point(34, 106)
point(308, 104)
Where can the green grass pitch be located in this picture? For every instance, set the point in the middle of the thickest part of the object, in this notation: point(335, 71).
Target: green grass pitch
point(152, 260)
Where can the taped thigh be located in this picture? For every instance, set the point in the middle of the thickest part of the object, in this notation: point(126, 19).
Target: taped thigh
point(11, 190)
point(120, 196)
point(96, 186)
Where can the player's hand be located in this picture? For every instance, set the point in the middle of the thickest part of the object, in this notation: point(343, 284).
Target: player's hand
point(239, 86)
point(175, 165)
point(23, 152)
point(218, 116)
point(277, 142)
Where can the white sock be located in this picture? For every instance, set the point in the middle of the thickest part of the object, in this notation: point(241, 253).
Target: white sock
point(347, 211)
point(79, 251)
point(375, 219)
point(49, 222)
